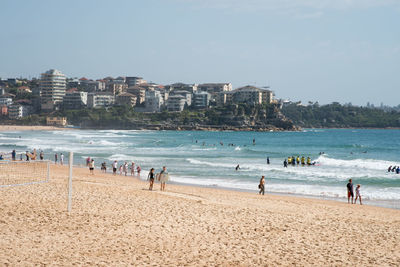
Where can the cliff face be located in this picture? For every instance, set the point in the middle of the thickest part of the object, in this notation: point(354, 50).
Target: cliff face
point(234, 117)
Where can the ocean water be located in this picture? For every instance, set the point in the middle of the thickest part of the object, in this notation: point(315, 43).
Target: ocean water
point(199, 158)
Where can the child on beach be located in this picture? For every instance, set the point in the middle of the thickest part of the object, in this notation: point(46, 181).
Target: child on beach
point(358, 195)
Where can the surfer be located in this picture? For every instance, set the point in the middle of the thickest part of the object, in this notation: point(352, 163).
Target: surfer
point(293, 161)
point(298, 160)
point(303, 161)
point(398, 170)
point(254, 141)
point(390, 168)
point(237, 167)
point(308, 161)
point(267, 160)
point(289, 160)
point(285, 163)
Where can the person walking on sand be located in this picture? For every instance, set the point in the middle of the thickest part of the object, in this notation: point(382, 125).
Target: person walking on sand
point(350, 192)
point(114, 166)
point(358, 194)
point(55, 158)
point(151, 178)
point(91, 167)
point(261, 186)
point(163, 177)
point(61, 159)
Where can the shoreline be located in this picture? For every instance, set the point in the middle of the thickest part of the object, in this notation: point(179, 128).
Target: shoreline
point(10, 128)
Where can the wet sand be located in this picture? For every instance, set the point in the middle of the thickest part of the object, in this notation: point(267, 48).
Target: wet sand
point(4, 128)
point(116, 221)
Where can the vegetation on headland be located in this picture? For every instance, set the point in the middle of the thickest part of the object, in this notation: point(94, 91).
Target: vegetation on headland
point(336, 115)
point(230, 117)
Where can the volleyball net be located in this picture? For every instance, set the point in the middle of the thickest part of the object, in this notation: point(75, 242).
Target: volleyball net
point(15, 173)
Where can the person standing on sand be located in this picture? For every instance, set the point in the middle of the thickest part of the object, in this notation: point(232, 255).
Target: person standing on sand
point(114, 166)
point(138, 169)
point(62, 159)
point(41, 155)
point(125, 168)
point(151, 178)
point(133, 168)
point(350, 192)
point(163, 177)
point(13, 155)
point(55, 158)
point(262, 185)
point(91, 167)
point(358, 194)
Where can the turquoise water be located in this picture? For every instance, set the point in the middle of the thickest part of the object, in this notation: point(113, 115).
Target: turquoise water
point(363, 155)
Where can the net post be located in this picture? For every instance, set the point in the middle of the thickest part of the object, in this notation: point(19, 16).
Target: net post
point(48, 171)
point(71, 156)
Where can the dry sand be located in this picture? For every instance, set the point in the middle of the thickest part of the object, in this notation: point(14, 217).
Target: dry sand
point(116, 221)
point(4, 128)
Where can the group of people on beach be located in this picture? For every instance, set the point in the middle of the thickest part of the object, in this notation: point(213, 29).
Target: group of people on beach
point(124, 168)
point(394, 169)
point(297, 160)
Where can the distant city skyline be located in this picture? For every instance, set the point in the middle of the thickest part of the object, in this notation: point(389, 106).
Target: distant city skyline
point(326, 51)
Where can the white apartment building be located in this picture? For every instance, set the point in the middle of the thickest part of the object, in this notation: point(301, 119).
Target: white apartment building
point(214, 88)
point(201, 100)
point(5, 101)
point(186, 94)
point(52, 87)
point(154, 101)
point(192, 88)
point(100, 100)
point(176, 103)
point(19, 111)
point(75, 100)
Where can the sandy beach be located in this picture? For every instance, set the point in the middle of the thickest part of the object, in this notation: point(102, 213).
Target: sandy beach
point(4, 128)
point(116, 221)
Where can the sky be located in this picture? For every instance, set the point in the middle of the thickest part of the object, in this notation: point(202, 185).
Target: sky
point(308, 50)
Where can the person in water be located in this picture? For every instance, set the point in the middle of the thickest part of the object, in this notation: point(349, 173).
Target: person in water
point(267, 160)
point(261, 186)
point(308, 161)
point(237, 167)
point(398, 170)
point(151, 178)
point(303, 160)
point(390, 168)
point(285, 163)
point(358, 194)
point(350, 192)
point(293, 161)
point(298, 160)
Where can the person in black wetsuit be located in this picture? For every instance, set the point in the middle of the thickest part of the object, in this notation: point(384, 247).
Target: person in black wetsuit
point(151, 178)
point(350, 192)
point(267, 160)
point(285, 163)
